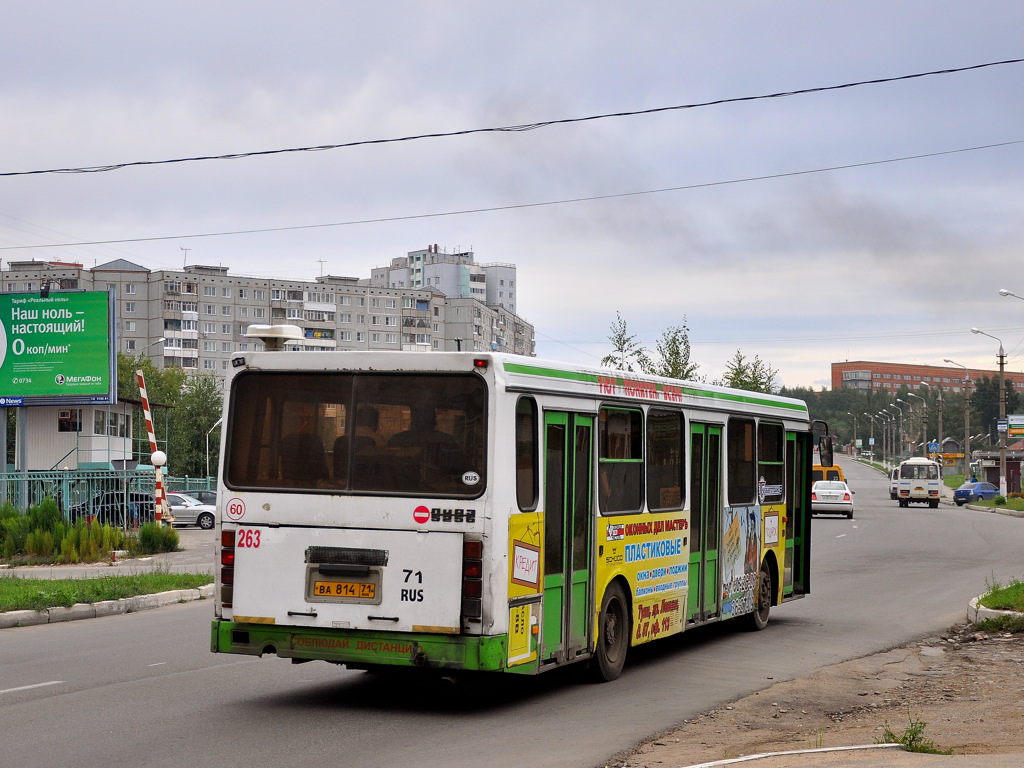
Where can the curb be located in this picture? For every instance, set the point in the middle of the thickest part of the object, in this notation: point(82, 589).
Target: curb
point(977, 612)
point(748, 758)
point(78, 611)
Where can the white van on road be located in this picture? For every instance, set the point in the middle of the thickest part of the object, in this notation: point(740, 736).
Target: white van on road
point(920, 481)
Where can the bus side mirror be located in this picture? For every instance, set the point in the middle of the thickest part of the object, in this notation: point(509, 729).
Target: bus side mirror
point(823, 441)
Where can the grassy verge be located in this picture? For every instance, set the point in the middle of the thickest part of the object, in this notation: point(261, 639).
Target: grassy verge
point(1014, 502)
point(1008, 598)
point(1000, 598)
point(39, 594)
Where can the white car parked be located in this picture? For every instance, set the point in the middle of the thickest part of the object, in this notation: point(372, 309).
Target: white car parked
point(187, 510)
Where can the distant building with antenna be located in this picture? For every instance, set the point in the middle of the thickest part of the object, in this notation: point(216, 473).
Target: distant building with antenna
point(428, 300)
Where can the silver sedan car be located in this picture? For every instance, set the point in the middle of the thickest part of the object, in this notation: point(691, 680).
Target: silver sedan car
point(187, 510)
point(832, 497)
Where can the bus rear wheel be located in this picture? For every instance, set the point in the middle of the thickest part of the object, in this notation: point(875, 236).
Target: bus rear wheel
point(758, 620)
point(612, 634)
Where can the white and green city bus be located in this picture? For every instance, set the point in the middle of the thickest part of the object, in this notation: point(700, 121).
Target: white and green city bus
point(466, 511)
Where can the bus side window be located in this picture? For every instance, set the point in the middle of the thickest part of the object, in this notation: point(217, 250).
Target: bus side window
point(620, 466)
point(742, 481)
point(771, 461)
point(526, 454)
point(666, 449)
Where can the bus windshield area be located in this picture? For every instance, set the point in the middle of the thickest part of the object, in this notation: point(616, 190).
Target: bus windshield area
point(919, 472)
point(407, 434)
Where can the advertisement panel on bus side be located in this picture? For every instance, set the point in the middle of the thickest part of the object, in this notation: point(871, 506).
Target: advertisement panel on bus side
point(652, 552)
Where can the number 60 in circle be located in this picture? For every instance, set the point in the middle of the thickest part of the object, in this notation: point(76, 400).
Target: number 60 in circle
point(235, 509)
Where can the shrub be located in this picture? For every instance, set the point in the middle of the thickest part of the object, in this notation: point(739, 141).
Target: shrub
point(1000, 501)
point(42, 534)
point(150, 538)
point(171, 539)
point(154, 538)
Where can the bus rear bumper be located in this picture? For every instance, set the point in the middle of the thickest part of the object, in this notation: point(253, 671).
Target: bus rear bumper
point(362, 649)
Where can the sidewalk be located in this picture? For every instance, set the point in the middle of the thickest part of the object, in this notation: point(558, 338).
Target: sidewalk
point(196, 557)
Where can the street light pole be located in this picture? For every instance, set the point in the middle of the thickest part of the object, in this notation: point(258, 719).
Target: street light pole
point(215, 425)
point(924, 423)
point(871, 442)
point(1002, 409)
point(161, 340)
point(887, 440)
point(899, 449)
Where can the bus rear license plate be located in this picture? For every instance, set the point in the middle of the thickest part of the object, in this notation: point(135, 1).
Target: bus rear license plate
point(354, 589)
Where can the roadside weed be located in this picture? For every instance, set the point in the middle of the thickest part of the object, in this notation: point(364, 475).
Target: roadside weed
point(913, 739)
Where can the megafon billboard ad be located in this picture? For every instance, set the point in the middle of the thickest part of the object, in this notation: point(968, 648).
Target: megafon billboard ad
point(57, 350)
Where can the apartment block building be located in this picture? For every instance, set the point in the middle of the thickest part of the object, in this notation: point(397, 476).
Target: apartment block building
point(425, 301)
point(454, 274)
point(870, 376)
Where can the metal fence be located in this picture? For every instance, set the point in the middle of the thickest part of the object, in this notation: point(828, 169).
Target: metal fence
point(120, 497)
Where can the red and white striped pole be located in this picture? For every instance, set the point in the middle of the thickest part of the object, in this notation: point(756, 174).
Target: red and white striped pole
point(160, 500)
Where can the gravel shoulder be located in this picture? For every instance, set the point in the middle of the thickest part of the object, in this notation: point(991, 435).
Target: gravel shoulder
point(966, 686)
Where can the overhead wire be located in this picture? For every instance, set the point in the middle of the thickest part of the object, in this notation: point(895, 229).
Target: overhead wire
point(520, 206)
point(514, 128)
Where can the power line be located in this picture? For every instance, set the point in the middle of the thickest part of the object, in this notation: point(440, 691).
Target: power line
point(514, 128)
point(520, 206)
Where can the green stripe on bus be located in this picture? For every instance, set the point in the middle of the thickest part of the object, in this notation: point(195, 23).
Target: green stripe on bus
point(590, 378)
point(362, 647)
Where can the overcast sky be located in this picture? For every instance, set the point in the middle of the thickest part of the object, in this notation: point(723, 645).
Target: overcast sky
point(886, 261)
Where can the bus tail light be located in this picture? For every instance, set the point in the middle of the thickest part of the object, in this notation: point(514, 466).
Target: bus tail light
point(472, 580)
point(227, 566)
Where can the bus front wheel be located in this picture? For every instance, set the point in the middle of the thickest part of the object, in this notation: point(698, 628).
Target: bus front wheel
point(612, 633)
point(763, 600)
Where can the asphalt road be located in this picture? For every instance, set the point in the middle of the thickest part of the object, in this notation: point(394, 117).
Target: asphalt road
point(143, 690)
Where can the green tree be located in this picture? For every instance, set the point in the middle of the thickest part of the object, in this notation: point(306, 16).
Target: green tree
point(673, 350)
point(753, 375)
point(626, 350)
point(985, 404)
point(198, 408)
point(163, 387)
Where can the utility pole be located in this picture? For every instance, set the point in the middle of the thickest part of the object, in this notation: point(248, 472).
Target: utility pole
point(967, 416)
point(1001, 427)
point(1002, 422)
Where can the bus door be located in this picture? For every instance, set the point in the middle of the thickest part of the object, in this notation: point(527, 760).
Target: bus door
point(705, 520)
point(795, 533)
point(568, 463)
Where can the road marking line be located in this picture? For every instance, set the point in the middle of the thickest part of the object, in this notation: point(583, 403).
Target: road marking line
point(840, 535)
point(158, 664)
point(30, 687)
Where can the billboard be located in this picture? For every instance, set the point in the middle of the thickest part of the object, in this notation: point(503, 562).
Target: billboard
point(57, 350)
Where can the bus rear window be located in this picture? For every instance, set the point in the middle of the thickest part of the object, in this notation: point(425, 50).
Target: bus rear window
point(407, 434)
